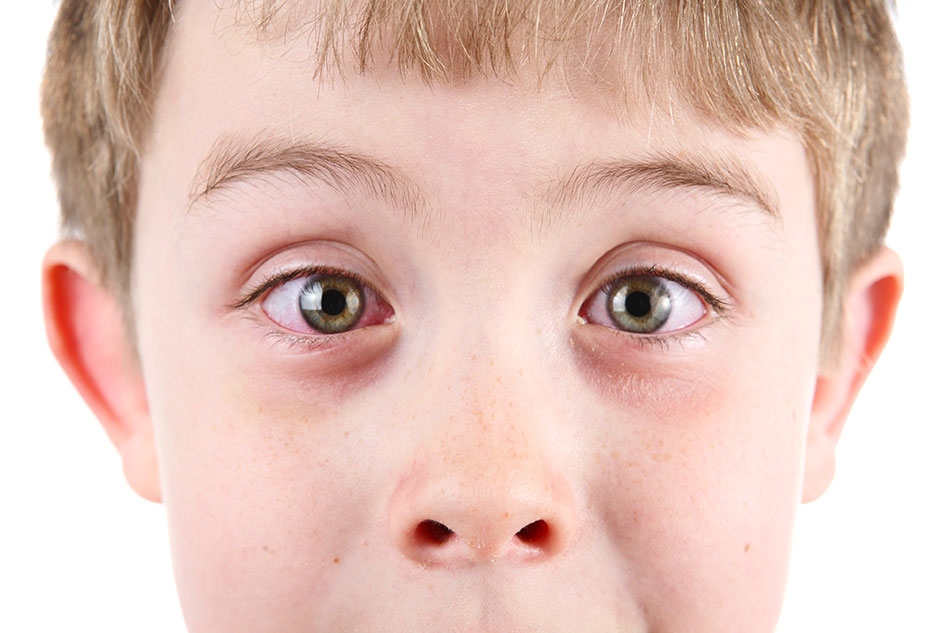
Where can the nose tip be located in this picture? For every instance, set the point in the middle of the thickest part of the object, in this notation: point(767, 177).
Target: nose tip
point(447, 526)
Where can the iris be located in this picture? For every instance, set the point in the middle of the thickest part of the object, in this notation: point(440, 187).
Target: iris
point(639, 304)
point(331, 304)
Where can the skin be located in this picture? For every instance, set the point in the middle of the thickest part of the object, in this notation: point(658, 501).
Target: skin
point(300, 482)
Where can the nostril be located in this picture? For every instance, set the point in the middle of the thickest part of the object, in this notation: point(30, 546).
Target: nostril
point(431, 532)
point(535, 533)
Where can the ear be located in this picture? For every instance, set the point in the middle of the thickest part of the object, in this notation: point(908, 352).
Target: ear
point(87, 334)
point(869, 310)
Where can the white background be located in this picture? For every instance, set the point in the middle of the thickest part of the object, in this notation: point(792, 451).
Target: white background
point(80, 551)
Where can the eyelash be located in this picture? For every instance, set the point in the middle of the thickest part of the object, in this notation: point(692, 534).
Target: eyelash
point(277, 279)
point(720, 306)
point(313, 343)
point(309, 343)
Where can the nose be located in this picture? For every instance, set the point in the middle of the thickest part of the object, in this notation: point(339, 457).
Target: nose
point(489, 495)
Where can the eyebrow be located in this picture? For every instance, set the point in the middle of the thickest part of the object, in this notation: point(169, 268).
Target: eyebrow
point(232, 161)
point(719, 176)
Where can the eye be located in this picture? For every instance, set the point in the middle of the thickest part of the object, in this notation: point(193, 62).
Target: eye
point(645, 304)
point(325, 303)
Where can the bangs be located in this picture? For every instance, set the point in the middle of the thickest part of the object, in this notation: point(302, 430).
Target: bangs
point(736, 62)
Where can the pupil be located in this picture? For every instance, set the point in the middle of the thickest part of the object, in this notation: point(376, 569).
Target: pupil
point(333, 302)
point(638, 304)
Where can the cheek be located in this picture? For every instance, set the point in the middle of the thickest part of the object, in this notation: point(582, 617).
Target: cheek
point(251, 481)
point(247, 507)
point(699, 479)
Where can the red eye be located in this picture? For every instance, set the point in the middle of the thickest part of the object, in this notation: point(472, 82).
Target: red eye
point(325, 304)
point(644, 304)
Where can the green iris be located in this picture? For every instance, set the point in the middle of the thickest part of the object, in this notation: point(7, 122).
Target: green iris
point(639, 304)
point(331, 304)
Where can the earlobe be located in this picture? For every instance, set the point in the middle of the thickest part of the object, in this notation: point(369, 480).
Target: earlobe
point(85, 329)
point(869, 310)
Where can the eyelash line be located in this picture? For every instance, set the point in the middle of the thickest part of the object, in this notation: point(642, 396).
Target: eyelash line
point(308, 343)
point(276, 279)
point(663, 342)
point(720, 306)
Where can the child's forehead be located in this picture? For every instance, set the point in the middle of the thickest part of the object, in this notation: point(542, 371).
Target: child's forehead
point(589, 64)
point(268, 109)
point(710, 61)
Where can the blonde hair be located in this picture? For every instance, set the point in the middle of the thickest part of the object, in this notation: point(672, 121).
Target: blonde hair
point(830, 70)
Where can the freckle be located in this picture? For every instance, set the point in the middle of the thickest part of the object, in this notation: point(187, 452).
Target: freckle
point(748, 546)
point(260, 410)
point(345, 433)
point(336, 560)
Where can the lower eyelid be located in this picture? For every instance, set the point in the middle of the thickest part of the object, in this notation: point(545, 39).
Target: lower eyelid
point(680, 340)
point(295, 342)
point(309, 343)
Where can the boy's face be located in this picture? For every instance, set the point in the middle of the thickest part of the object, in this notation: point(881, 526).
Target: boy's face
point(384, 478)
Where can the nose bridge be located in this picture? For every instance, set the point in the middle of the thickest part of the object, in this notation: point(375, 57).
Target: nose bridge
point(487, 423)
point(487, 443)
point(482, 483)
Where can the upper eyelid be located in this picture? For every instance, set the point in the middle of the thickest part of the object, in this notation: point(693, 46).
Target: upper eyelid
point(720, 305)
point(278, 278)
